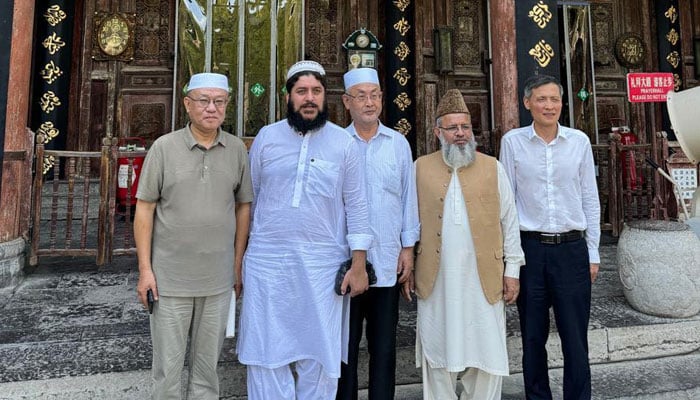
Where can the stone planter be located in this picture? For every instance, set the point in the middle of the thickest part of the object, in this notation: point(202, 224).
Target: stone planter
point(659, 265)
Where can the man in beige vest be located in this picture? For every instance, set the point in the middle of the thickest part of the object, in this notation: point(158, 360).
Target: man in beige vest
point(469, 230)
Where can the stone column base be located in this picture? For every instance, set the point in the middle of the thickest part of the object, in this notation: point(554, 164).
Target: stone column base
point(12, 256)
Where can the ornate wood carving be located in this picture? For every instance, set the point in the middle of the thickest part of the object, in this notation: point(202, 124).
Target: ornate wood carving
point(322, 42)
point(153, 34)
point(603, 36)
point(145, 115)
point(147, 120)
point(113, 36)
point(468, 29)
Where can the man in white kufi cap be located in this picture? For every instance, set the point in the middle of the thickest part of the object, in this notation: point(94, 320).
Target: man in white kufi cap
point(388, 166)
point(191, 227)
point(310, 216)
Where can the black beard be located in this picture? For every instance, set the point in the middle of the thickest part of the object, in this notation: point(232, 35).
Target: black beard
point(301, 125)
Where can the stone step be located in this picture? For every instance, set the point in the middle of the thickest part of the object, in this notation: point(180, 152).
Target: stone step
point(667, 378)
point(70, 319)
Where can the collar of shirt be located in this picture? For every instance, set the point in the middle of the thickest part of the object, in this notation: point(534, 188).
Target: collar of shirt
point(381, 130)
point(192, 142)
point(561, 133)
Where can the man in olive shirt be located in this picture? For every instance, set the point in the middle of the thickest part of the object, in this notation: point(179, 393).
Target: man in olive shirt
point(191, 228)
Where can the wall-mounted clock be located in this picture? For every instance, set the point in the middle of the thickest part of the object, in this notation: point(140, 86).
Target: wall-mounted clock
point(113, 37)
point(362, 41)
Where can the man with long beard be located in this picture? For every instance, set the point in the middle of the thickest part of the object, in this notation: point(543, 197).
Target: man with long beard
point(309, 215)
point(469, 228)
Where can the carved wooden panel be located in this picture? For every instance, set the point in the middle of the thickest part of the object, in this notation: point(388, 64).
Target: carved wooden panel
point(153, 34)
point(322, 33)
point(468, 30)
point(145, 115)
point(604, 37)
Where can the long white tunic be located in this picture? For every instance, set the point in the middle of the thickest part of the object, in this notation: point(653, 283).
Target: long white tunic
point(309, 212)
point(457, 328)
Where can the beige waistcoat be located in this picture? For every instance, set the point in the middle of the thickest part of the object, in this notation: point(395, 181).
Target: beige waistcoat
point(479, 183)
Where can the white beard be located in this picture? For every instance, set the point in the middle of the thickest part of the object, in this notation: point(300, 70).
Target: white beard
point(457, 156)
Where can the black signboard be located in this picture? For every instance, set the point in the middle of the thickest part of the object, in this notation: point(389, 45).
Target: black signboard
point(399, 91)
point(670, 54)
point(537, 41)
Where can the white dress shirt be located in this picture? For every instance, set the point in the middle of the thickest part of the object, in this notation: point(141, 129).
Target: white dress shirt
point(554, 183)
point(393, 201)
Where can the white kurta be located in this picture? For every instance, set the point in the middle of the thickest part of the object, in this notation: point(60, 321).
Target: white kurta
point(457, 328)
point(309, 212)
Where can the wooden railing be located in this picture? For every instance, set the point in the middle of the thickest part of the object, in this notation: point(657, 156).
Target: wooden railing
point(629, 189)
point(75, 211)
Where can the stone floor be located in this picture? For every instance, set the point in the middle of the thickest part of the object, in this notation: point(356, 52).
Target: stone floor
point(69, 319)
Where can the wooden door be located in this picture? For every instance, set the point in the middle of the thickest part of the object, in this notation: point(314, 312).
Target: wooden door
point(129, 93)
point(467, 22)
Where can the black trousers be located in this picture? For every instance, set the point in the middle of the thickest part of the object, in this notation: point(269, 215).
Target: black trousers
point(557, 276)
point(379, 306)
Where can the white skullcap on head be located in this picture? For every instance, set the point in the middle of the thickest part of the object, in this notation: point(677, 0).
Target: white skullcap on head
point(208, 80)
point(305, 66)
point(360, 75)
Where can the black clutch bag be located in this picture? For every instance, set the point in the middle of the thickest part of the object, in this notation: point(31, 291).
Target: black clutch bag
point(345, 266)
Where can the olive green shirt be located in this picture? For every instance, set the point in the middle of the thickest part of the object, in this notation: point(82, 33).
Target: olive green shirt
point(196, 191)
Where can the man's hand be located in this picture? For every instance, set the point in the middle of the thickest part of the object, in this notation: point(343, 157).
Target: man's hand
point(408, 287)
point(594, 272)
point(511, 289)
point(404, 267)
point(356, 278)
point(146, 281)
point(238, 286)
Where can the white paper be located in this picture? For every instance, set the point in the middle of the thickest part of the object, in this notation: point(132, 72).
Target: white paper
point(231, 324)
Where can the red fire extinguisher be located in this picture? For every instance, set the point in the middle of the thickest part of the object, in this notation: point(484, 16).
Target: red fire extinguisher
point(627, 159)
point(126, 192)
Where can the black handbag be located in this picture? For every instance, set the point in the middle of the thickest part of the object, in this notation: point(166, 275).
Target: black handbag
point(345, 267)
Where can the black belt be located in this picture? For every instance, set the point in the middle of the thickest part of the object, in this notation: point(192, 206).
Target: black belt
point(554, 238)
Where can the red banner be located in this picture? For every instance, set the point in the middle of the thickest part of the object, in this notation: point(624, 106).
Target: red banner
point(647, 87)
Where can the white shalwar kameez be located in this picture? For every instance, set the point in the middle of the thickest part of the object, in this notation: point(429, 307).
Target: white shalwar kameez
point(309, 212)
point(457, 328)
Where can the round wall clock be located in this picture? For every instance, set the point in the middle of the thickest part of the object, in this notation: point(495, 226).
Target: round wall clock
point(630, 50)
point(113, 35)
point(362, 40)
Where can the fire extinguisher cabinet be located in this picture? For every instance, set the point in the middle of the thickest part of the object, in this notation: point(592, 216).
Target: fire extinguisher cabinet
point(132, 152)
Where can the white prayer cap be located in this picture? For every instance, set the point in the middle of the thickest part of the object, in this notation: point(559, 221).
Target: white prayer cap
point(305, 66)
point(360, 75)
point(208, 80)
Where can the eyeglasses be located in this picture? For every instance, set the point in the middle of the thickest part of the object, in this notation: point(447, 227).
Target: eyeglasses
point(362, 98)
point(452, 129)
point(204, 102)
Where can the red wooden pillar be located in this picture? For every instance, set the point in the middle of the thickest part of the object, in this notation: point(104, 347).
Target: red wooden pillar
point(16, 171)
point(505, 72)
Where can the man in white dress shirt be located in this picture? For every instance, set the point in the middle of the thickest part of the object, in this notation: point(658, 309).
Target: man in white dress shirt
point(391, 187)
point(467, 265)
point(553, 176)
point(309, 214)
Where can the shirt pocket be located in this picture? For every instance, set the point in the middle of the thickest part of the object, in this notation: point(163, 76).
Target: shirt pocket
point(391, 179)
point(323, 177)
